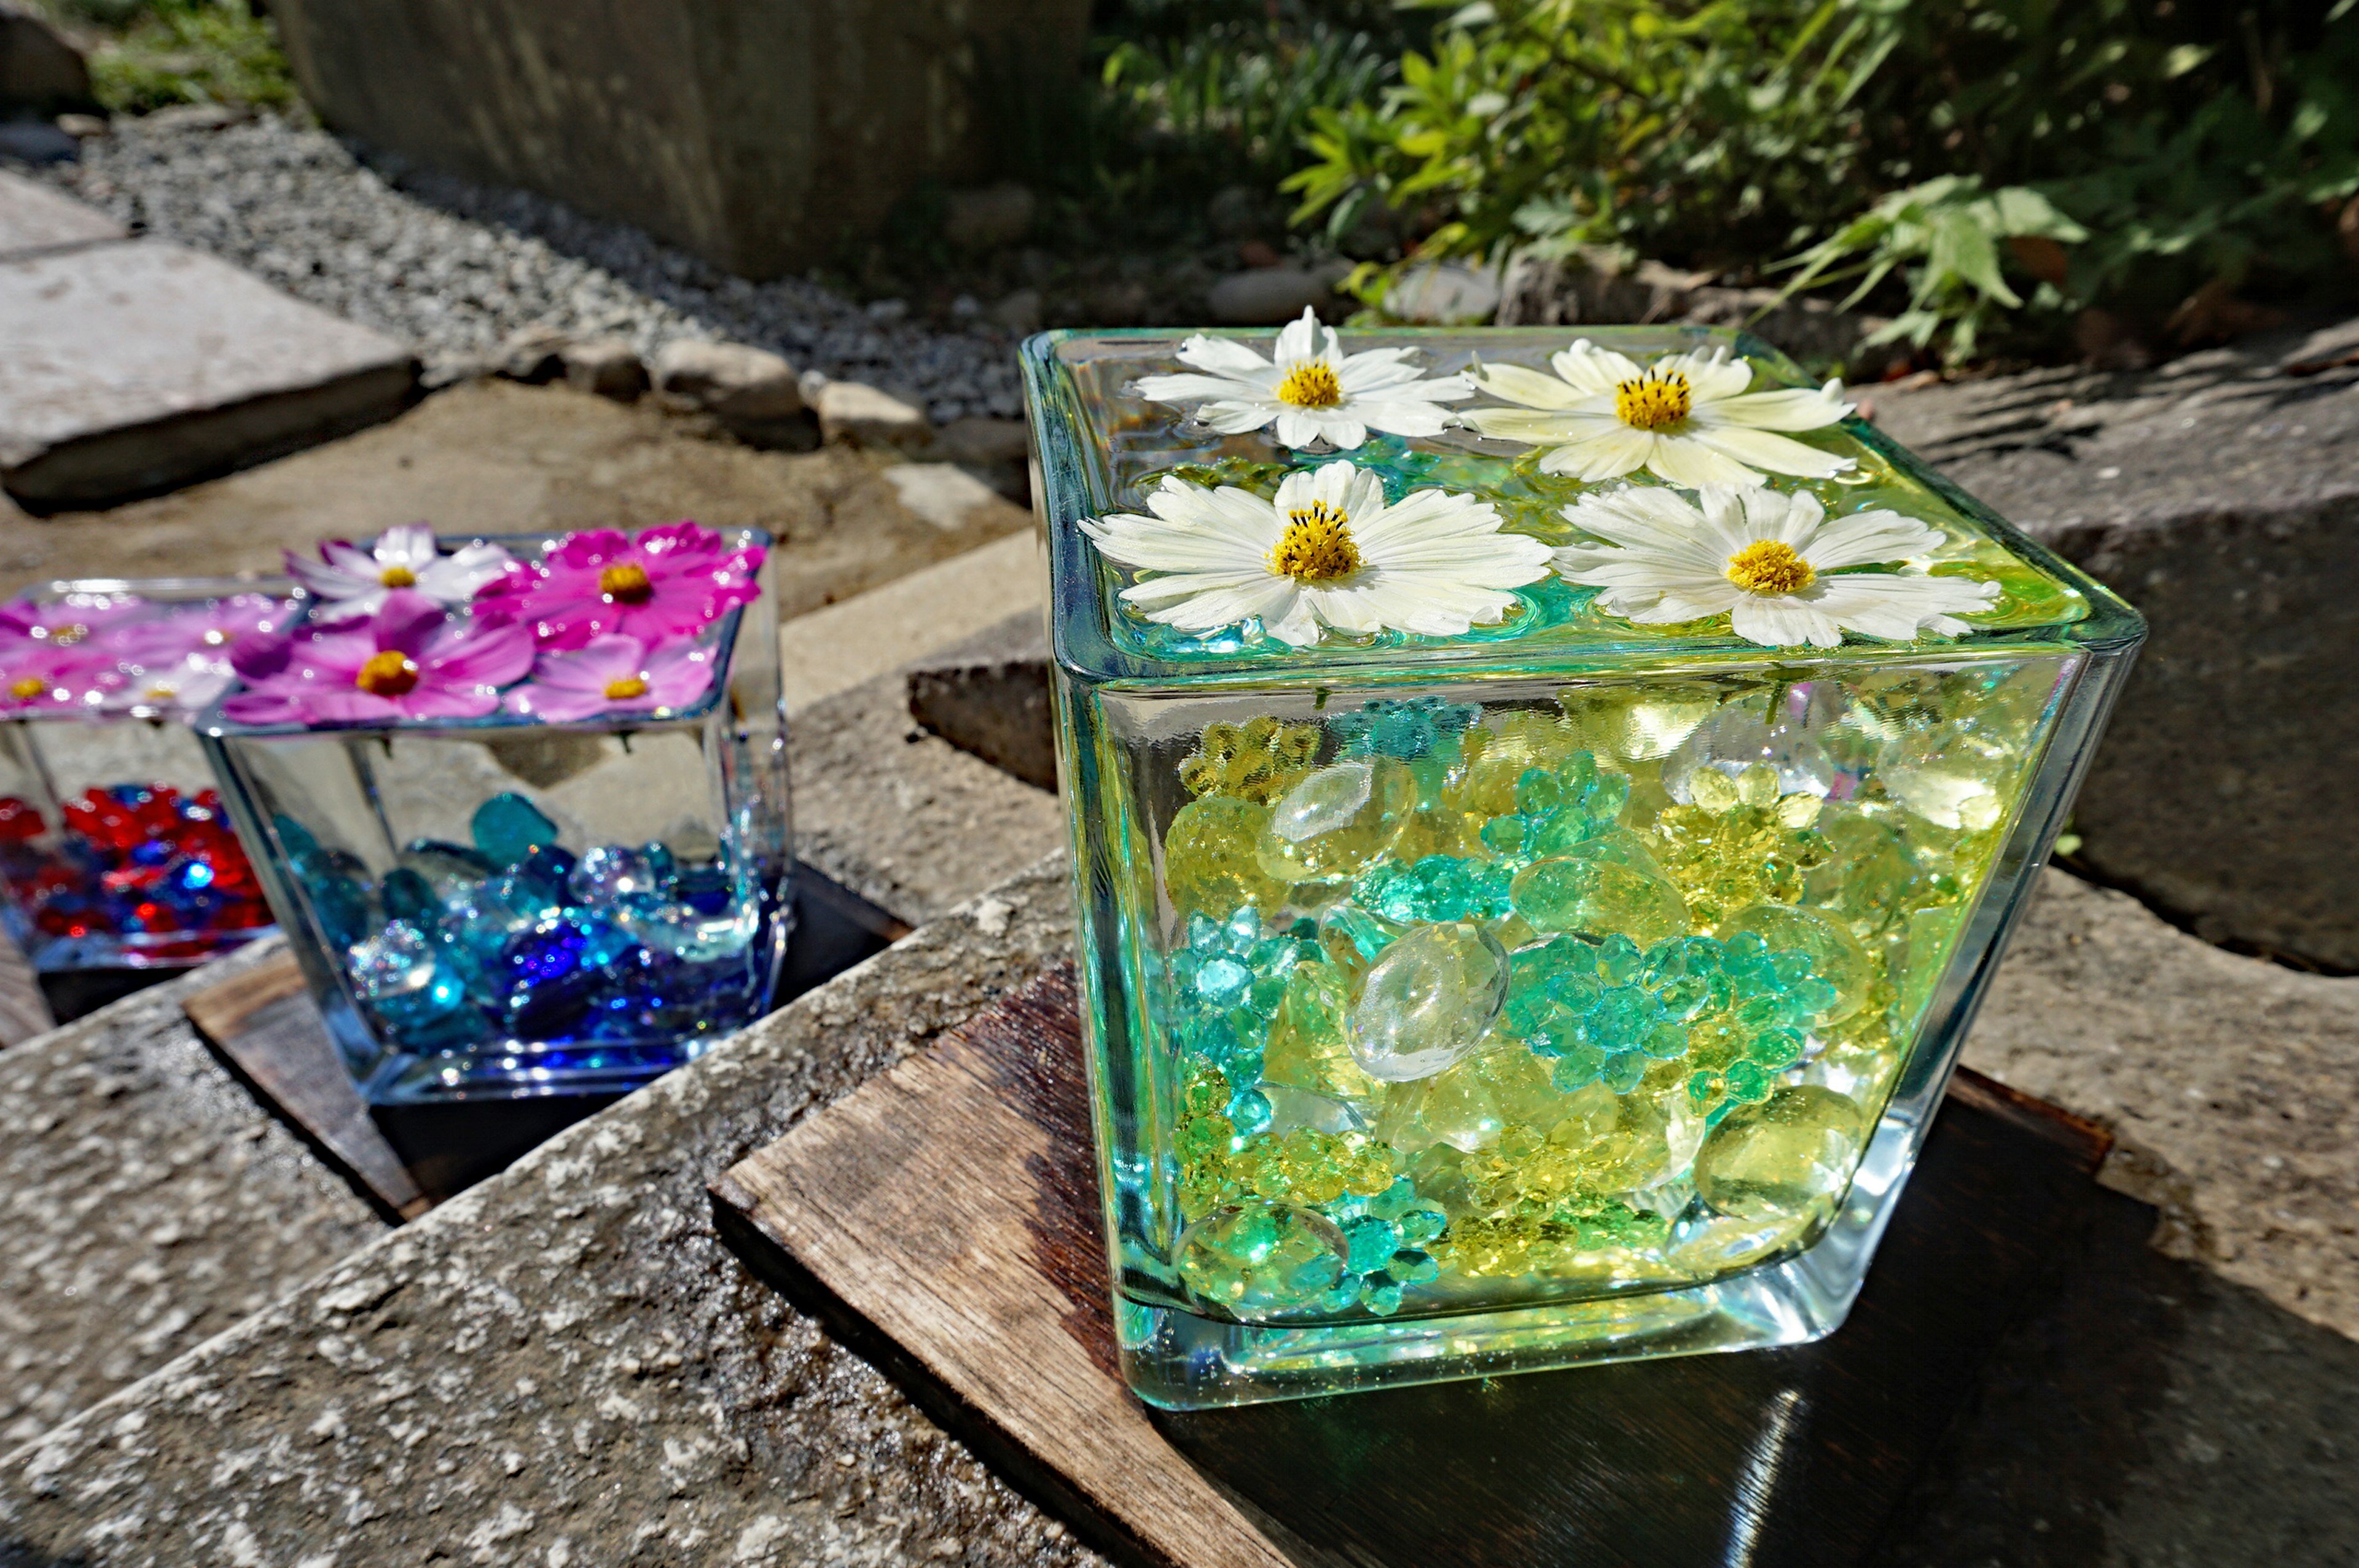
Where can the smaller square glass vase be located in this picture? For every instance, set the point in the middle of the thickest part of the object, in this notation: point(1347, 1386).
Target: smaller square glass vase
point(506, 907)
point(115, 848)
point(1552, 984)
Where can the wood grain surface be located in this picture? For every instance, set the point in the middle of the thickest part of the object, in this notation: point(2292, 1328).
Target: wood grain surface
point(264, 1023)
point(943, 1220)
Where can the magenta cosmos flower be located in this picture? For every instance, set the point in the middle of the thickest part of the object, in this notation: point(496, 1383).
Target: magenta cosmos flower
point(351, 582)
point(49, 677)
point(205, 631)
point(411, 661)
point(668, 583)
point(70, 621)
point(615, 673)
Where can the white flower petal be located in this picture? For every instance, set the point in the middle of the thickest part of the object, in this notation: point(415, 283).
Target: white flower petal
point(1760, 450)
point(1235, 416)
point(1249, 387)
point(1615, 450)
point(1790, 409)
point(1594, 369)
point(1222, 357)
point(406, 545)
point(1519, 384)
point(1298, 340)
point(1689, 460)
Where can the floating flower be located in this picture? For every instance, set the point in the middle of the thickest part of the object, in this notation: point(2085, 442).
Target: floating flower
point(206, 630)
point(1772, 564)
point(44, 675)
point(411, 661)
point(614, 673)
point(187, 685)
point(1687, 418)
point(351, 582)
point(1328, 551)
point(66, 623)
point(1312, 390)
point(668, 583)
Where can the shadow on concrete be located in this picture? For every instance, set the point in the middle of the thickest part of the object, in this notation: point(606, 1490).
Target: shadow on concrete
point(2146, 1413)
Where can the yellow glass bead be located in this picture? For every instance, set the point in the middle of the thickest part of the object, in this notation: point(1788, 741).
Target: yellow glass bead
point(1210, 865)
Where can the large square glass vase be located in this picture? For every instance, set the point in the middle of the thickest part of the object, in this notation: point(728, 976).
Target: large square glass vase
point(502, 908)
point(114, 850)
point(1689, 928)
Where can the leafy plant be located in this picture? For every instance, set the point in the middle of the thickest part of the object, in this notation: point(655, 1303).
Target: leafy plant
point(187, 51)
point(2019, 157)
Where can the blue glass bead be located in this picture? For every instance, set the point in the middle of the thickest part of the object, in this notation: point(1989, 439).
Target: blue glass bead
point(302, 847)
point(151, 852)
point(1579, 1067)
point(1250, 1112)
point(392, 963)
point(409, 896)
point(690, 934)
point(341, 905)
point(1623, 1072)
point(1223, 982)
point(1372, 1242)
point(508, 827)
point(446, 865)
point(1749, 1081)
point(612, 873)
point(708, 889)
point(1412, 1267)
point(1618, 959)
point(1381, 1295)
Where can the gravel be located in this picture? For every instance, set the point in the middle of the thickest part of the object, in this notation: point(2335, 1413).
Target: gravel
point(455, 267)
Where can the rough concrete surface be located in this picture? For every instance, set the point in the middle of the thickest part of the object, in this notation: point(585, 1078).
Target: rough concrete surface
point(837, 648)
point(2220, 494)
point(126, 369)
point(35, 218)
point(497, 456)
point(902, 817)
point(760, 136)
point(563, 1366)
point(2233, 1084)
point(989, 695)
point(146, 1204)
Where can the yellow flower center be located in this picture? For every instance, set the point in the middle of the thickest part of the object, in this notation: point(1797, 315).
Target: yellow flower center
point(627, 688)
point(1310, 385)
point(388, 673)
point(159, 693)
point(1655, 401)
point(68, 635)
point(27, 689)
point(220, 637)
point(397, 577)
point(1770, 567)
point(1316, 548)
point(626, 583)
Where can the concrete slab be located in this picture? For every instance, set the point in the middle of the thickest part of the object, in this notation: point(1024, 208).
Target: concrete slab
point(148, 1203)
point(2218, 495)
point(838, 647)
point(34, 218)
point(127, 368)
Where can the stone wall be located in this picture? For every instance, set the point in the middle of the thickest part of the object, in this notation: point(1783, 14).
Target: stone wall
point(758, 133)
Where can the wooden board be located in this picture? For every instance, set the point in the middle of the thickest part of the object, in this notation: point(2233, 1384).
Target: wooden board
point(943, 1220)
point(404, 1160)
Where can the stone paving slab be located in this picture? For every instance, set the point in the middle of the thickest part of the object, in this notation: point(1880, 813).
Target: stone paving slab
point(563, 1366)
point(145, 1203)
point(2220, 494)
point(33, 217)
point(128, 369)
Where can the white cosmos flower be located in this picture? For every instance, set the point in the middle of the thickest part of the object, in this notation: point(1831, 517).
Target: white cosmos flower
point(190, 686)
point(1687, 418)
point(1327, 552)
point(1312, 390)
point(352, 583)
point(1765, 560)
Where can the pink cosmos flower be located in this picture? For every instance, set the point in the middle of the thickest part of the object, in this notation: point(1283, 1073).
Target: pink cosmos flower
point(665, 584)
point(615, 673)
point(205, 631)
point(411, 661)
point(38, 677)
point(65, 622)
point(187, 685)
point(352, 583)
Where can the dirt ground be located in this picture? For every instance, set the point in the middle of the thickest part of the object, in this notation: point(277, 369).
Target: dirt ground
point(496, 457)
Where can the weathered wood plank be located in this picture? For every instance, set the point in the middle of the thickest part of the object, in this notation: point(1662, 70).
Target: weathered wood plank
point(943, 1218)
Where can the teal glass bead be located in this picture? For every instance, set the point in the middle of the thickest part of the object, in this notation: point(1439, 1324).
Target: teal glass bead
point(508, 829)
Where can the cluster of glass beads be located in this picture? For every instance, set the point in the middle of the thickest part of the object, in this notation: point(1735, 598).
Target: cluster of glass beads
point(135, 873)
point(512, 937)
point(1704, 967)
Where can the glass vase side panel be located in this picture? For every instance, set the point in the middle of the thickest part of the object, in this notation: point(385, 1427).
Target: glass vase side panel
point(1443, 1031)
